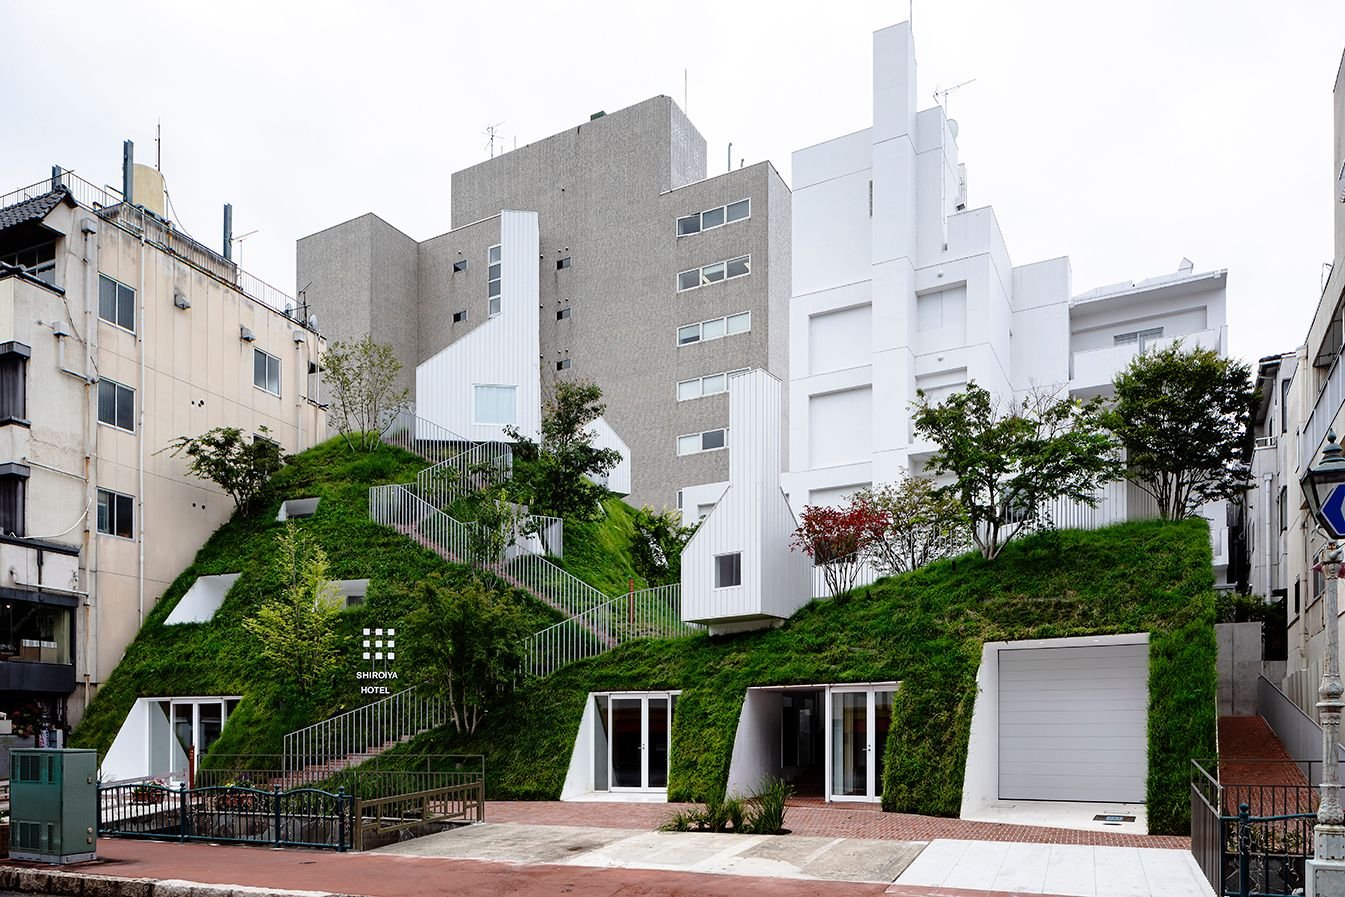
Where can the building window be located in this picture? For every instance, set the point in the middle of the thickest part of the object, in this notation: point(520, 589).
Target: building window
point(712, 218)
point(459, 316)
point(695, 443)
point(495, 404)
point(700, 277)
point(13, 488)
point(35, 633)
point(714, 328)
point(39, 261)
point(1284, 405)
point(563, 364)
point(1143, 337)
point(116, 514)
point(116, 405)
point(266, 372)
point(1284, 508)
point(493, 281)
point(459, 266)
point(13, 382)
point(116, 303)
point(728, 570)
point(561, 264)
point(712, 384)
point(563, 314)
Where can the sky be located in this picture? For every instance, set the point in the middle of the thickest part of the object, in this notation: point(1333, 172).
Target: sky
point(1123, 134)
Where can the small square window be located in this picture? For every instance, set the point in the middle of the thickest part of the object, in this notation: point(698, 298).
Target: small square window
point(712, 218)
point(495, 404)
point(740, 323)
point(713, 384)
point(688, 389)
point(740, 210)
point(689, 280)
point(116, 514)
point(493, 254)
point(689, 334)
point(712, 273)
point(563, 314)
point(689, 445)
point(712, 329)
point(712, 439)
point(266, 372)
point(116, 302)
point(728, 570)
point(563, 364)
point(459, 316)
point(116, 405)
point(563, 263)
point(459, 266)
point(691, 224)
point(739, 267)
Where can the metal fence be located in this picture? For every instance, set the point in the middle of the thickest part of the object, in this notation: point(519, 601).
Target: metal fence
point(422, 437)
point(445, 482)
point(648, 613)
point(356, 735)
point(385, 775)
point(300, 817)
point(390, 818)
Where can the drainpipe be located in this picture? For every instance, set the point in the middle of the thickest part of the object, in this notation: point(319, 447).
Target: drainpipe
point(89, 227)
point(1269, 488)
point(140, 429)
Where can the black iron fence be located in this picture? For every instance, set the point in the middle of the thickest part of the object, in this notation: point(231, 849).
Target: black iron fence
point(300, 817)
point(386, 775)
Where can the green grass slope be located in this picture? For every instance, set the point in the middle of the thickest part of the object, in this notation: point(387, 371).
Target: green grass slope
point(221, 658)
point(598, 551)
point(925, 629)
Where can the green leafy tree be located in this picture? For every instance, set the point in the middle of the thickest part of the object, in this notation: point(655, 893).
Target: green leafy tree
point(362, 377)
point(496, 518)
point(238, 465)
point(557, 474)
point(296, 627)
point(466, 644)
point(1007, 464)
point(923, 524)
point(657, 543)
point(1184, 418)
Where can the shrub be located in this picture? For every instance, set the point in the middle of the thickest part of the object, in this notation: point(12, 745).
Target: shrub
point(766, 807)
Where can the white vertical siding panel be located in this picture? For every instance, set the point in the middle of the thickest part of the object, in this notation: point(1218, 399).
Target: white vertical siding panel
point(503, 351)
point(618, 479)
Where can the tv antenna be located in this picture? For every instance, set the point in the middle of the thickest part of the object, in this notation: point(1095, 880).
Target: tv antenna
point(237, 241)
point(492, 132)
point(941, 94)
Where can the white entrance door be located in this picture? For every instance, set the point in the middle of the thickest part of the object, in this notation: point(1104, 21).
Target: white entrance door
point(640, 729)
point(860, 717)
point(1073, 723)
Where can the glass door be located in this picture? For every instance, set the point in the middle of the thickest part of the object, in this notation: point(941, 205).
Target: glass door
point(638, 730)
point(860, 720)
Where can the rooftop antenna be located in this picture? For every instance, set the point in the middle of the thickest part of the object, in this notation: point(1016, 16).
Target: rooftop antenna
point(158, 145)
point(941, 94)
point(492, 132)
point(239, 240)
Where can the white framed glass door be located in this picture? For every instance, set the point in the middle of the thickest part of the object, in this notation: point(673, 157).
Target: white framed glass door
point(639, 727)
point(859, 720)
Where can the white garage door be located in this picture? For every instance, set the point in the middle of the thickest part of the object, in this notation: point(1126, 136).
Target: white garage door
point(1072, 723)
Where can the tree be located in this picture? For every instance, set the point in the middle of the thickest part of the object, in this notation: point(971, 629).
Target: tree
point(296, 626)
point(1006, 465)
point(836, 538)
point(493, 513)
point(657, 543)
point(238, 465)
point(923, 524)
point(1184, 418)
point(365, 398)
point(557, 475)
point(466, 644)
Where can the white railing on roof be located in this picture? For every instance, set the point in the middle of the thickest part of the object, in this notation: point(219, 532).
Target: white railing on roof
point(358, 734)
point(1324, 412)
point(648, 613)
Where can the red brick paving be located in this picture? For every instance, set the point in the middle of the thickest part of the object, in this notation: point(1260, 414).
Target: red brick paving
point(1250, 758)
point(810, 817)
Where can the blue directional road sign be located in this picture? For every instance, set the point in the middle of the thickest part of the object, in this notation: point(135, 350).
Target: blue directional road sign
point(1333, 511)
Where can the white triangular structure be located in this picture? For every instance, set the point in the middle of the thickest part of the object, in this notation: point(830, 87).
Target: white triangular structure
point(738, 571)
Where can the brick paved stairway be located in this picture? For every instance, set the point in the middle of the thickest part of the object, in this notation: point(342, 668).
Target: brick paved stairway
point(1255, 769)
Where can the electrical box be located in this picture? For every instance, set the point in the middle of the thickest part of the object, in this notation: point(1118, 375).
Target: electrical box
point(53, 805)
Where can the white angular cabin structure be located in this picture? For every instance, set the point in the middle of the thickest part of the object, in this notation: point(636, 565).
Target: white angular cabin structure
point(738, 571)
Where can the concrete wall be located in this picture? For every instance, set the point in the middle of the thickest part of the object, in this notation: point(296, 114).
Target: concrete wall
point(1239, 666)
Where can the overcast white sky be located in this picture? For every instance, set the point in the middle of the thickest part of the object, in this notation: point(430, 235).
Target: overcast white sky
point(1123, 134)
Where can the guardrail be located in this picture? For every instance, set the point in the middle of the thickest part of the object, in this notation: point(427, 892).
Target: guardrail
point(648, 613)
point(386, 819)
point(444, 483)
point(332, 745)
point(384, 775)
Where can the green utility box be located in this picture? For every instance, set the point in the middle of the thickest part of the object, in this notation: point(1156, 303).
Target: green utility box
point(53, 805)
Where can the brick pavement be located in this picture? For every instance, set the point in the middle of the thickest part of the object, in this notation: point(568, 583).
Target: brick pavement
point(811, 817)
point(1255, 769)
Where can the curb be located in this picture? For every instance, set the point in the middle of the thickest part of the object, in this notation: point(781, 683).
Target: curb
point(53, 883)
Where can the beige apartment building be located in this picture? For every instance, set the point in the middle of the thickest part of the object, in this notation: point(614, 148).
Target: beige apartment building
point(119, 333)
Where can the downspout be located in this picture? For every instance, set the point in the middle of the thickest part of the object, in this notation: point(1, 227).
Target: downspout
point(140, 429)
point(1265, 594)
point(91, 603)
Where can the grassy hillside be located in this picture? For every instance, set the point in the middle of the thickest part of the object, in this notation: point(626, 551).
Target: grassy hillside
point(598, 551)
point(924, 629)
point(219, 657)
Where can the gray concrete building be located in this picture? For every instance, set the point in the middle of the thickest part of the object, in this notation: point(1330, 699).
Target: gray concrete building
point(651, 279)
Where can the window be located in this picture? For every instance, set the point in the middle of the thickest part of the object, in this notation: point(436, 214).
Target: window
point(459, 316)
point(1284, 405)
point(728, 570)
point(563, 314)
point(35, 633)
point(13, 488)
point(714, 329)
point(709, 385)
point(116, 405)
point(561, 264)
point(13, 382)
point(116, 514)
point(563, 364)
point(1143, 337)
point(1284, 508)
point(266, 372)
point(700, 277)
point(495, 404)
point(459, 266)
point(712, 218)
point(39, 261)
point(708, 441)
point(493, 305)
point(116, 302)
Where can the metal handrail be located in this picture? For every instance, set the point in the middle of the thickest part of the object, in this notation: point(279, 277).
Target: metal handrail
point(330, 746)
point(647, 613)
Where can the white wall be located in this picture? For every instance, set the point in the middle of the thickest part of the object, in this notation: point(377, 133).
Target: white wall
point(502, 351)
point(203, 599)
point(756, 742)
point(605, 437)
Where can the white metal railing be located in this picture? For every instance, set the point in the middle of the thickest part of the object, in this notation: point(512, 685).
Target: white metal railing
point(866, 575)
point(358, 734)
point(466, 471)
point(1324, 412)
point(648, 613)
point(422, 437)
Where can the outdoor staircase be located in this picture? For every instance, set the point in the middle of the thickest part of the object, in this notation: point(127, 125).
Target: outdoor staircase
point(323, 749)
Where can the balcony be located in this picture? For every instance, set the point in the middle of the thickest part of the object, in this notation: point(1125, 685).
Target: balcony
point(1093, 370)
point(1324, 412)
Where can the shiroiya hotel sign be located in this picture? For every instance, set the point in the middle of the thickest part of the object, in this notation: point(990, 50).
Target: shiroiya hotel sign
point(379, 648)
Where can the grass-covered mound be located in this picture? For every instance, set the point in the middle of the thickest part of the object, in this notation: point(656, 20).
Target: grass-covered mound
point(925, 629)
point(221, 658)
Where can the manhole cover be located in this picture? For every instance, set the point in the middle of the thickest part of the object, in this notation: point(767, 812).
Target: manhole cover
point(1112, 820)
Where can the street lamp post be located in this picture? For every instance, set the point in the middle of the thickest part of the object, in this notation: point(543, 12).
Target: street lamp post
point(1324, 488)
